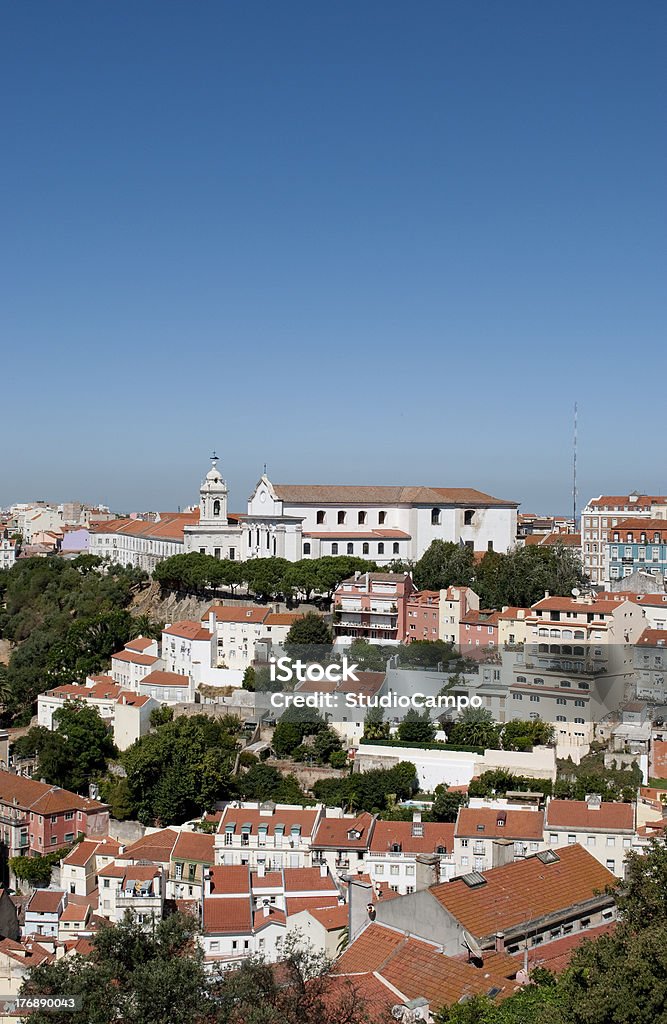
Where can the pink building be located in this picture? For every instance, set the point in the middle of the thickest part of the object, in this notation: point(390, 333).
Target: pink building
point(372, 606)
point(422, 615)
point(478, 631)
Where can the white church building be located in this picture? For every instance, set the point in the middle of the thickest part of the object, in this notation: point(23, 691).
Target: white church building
point(296, 521)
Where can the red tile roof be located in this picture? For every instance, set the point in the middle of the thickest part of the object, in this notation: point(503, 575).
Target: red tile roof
point(653, 638)
point(659, 759)
point(331, 918)
point(39, 796)
point(332, 833)
point(194, 846)
point(295, 904)
point(307, 880)
point(262, 920)
point(388, 833)
point(140, 643)
point(353, 494)
point(75, 912)
point(161, 678)
point(156, 846)
point(187, 629)
point(236, 613)
point(524, 890)
point(133, 658)
point(45, 901)
point(230, 878)
point(305, 817)
point(576, 814)
point(227, 916)
point(485, 823)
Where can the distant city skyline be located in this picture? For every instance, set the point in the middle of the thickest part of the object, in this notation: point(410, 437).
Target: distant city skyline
point(367, 243)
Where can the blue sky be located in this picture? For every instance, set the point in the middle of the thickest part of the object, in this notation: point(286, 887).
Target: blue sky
point(367, 242)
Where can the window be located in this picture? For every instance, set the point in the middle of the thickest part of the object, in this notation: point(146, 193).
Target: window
point(365, 548)
point(382, 517)
point(561, 718)
point(611, 840)
point(435, 517)
point(571, 840)
point(517, 696)
point(321, 517)
point(379, 869)
point(69, 837)
point(395, 547)
point(350, 548)
point(535, 698)
point(179, 871)
point(468, 517)
point(464, 842)
point(578, 721)
point(611, 865)
point(380, 548)
point(394, 869)
point(590, 841)
point(580, 703)
point(216, 552)
point(334, 548)
point(216, 508)
point(341, 518)
point(561, 700)
point(68, 815)
point(361, 518)
point(306, 548)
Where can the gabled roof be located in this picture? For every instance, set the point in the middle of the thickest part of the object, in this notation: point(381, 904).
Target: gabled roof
point(135, 658)
point(333, 833)
point(45, 901)
point(435, 834)
point(653, 638)
point(188, 630)
point(227, 916)
point(485, 823)
point(158, 677)
point(577, 814)
point(194, 846)
point(353, 494)
point(523, 891)
point(156, 846)
point(140, 643)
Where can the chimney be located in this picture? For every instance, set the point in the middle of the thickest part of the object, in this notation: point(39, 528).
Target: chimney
point(546, 594)
point(207, 882)
point(266, 908)
point(261, 869)
point(323, 869)
point(500, 942)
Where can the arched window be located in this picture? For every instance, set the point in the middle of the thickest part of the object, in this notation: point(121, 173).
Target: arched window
point(382, 516)
point(216, 508)
point(334, 548)
point(365, 548)
point(578, 650)
point(435, 517)
point(321, 517)
point(350, 548)
point(396, 548)
point(468, 517)
point(380, 548)
point(579, 634)
point(341, 517)
point(361, 518)
point(306, 548)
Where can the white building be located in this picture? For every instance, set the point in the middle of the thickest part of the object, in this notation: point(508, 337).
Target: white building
point(138, 889)
point(132, 718)
point(487, 837)
point(405, 856)
point(100, 693)
point(78, 870)
point(134, 662)
point(239, 628)
point(168, 687)
point(140, 542)
point(7, 550)
point(43, 912)
point(186, 644)
point(606, 829)
point(269, 835)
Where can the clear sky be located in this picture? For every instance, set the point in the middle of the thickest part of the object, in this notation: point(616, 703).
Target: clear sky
point(363, 241)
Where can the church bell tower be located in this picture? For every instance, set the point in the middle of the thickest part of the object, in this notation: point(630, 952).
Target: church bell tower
point(213, 497)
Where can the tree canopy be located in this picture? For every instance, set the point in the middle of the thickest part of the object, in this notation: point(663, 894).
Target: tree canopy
point(75, 753)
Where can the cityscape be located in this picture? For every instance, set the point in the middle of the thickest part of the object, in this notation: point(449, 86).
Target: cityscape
point(333, 513)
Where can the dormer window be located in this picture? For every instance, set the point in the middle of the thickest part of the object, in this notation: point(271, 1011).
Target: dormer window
point(395, 848)
point(480, 828)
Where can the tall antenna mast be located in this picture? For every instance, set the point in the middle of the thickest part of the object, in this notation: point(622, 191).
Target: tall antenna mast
point(574, 471)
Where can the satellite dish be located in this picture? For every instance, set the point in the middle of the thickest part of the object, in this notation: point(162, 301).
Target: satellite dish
point(575, 591)
point(472, 947)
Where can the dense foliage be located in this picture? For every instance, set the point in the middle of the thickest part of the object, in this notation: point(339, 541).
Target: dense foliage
point(36, 871)
point(476, 727)
point(180, 770)
point(264, 577)
point(375, 790)
point(64, 619)
point(518, 578)
point(75, 753)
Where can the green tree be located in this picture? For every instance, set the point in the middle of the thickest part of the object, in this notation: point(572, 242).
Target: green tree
point(249, 681)
point(369, 657)
point(309, 638)
point(416, 727)
point(326, 743)
point(446, 804)
point(444, 564)
point(475, 728)
point(522, 735)
point(375, 727)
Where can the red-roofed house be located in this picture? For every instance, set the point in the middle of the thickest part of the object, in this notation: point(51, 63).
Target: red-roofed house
point(136, 888)
point(486, 837)
point(408, 855)
point(478, 631)
point(343, 841)
point(192, 854)
point(100, 695)
point(130, 666)
point(187, 644)
point(275, 835)
point(604, 828)
point(168, 687)
point(43, 912)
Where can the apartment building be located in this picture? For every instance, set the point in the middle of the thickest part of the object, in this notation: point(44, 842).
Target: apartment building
point(422, 616)
point(269, 834)
point(454, 604)
point(603, 513)
point(372, 606)
point(342, 841)
point(78, 870)
point(138, 657)
point(43, 911)
point(99, 692)
point(650, 664)
point(637, 545)
point(604, 829)
point(192, 855)
point(478, 631)
point(405, 856)
point(487, 837)
point(137, 889)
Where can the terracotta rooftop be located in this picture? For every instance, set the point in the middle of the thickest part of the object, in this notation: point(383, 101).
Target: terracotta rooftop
point(577, 814)
point(158, 677)
point(45, 901)
point(75, 912)
point(236, 613)
point(140, 643)
point(188, 630)
point(156, 846)
point(492, 823)
point(287, 817)
point(520, 892)
point(227, 916)
point(653, 638)
point(229, 878)
point(352, 494)
point(333, 833)
point(134, 658)
point(435, 834)
point(556, 956)
point(194, 846)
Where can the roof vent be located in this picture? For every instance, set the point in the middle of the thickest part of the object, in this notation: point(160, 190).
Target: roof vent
point(474, 879)
point(547, 856)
